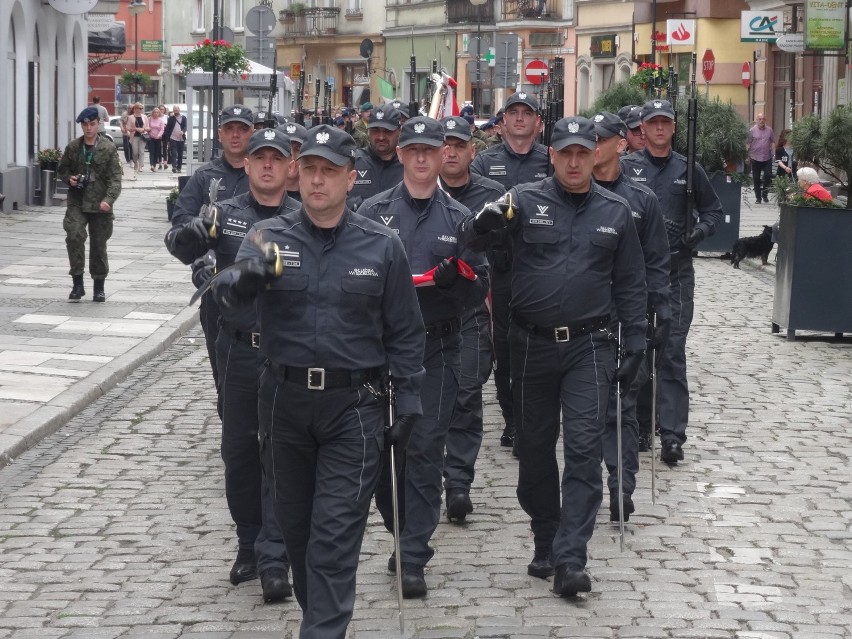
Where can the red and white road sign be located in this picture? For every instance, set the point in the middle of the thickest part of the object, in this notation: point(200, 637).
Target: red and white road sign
point(746, 75)
point(708, 65)
point(536, 71)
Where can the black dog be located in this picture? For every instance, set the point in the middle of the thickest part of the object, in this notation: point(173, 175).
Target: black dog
point(757, 246)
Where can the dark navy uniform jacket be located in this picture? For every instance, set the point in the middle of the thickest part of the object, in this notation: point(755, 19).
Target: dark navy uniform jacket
point(645, 209)
point(429, 237)
point(478, 192)
point(196, 194)
point(573, 262)
point(373, 175)
point(344, 302)
point(666, 177)
point(502, 164)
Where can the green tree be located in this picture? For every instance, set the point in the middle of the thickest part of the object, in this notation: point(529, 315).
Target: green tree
point(615, 97)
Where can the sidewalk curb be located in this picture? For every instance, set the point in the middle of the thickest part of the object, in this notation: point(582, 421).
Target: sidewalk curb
point(49, 418)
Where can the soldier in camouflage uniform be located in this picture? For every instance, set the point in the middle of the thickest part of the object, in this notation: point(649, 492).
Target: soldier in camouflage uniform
point(359, 131)
point(90, 166)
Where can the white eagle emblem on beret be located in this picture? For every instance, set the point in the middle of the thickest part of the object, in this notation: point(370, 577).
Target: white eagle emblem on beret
point(451, 124)
point(322, 137)
point(522, 96)
point(237, 111)
point(291, 128)
point(269, 134)
point(380, 115)
point(573, 127)
point(396, 104)
point(419, 127)
point(261, 115)
point(599, 118)
point(658, 105)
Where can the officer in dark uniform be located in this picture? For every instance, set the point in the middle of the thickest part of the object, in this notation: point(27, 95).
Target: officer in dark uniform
point(663, 171)
point(90, 166)
point(645, 210)
point(576, 255)
point(519, 159)
point(464, 436)
point(261, 547)
point(235, 129)
point(342, 312)
point(631, 115)
point(426, 219)
point(377, 166)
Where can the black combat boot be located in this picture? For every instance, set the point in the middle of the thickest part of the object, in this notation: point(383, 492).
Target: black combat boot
point(98, 295)
point(77, 291)
point(275, 585)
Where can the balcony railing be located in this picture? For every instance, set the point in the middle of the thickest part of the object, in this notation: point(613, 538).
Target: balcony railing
point(310, 22)
point(532, 10)
point(463, 11)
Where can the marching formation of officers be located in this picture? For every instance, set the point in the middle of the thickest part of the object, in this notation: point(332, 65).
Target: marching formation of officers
point(355, 300)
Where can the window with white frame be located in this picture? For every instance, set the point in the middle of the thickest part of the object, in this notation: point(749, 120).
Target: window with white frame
point(237, 17)
point(198, 21)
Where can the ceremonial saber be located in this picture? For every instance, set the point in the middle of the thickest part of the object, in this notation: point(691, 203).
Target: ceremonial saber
point(395, 507)
point(654, 414)
point(620, 464)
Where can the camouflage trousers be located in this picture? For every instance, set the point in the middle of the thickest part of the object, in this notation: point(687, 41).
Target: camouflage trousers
point(100, 229)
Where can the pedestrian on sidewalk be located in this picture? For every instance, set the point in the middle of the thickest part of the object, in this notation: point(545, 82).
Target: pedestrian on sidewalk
point(576, 257)
point(156, 128)
point(761, 153)
point(341, 313)
point(664, 171)
point(261, 551)
point(91, 168)
point(125, 136)
point(137, 130)
point(175, 134)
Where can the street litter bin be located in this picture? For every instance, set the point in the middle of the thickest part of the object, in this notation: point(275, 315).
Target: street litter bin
point(48, 187)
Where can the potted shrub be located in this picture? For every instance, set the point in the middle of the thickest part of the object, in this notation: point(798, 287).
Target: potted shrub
point(171, 198)
point(813, 266)
point(48, 159)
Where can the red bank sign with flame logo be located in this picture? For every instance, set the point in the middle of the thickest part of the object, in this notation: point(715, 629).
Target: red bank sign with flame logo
point(680, 32)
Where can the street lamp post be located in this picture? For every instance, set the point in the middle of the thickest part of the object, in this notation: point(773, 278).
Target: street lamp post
point(135, 8)
point(477, 101)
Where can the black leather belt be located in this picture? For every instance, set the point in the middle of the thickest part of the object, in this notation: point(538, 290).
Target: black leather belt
point(322, 378)
point(443, 328)
point(564, 333)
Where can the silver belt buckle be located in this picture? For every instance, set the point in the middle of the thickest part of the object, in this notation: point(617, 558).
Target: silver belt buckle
point(255, 340)
point(560, 334)
point(315, 374)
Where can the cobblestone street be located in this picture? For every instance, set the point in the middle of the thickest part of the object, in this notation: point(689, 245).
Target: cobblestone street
point(116, 525)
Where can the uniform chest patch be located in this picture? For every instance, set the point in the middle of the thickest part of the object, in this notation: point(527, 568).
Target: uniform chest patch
point(607, 229)
point(290, 255)
point(235, 227)
point(367, 271)
point(497, 169)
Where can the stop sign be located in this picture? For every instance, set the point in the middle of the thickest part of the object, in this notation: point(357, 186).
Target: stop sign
point(536, 71)
point(746, 75)
point(708, 65)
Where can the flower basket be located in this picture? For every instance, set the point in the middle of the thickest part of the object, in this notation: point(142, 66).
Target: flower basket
point(650, 75)
point(49, 158)
point(230, 59)
point(134, 80)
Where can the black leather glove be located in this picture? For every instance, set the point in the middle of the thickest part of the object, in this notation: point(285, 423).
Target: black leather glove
point(198, 230)
point(630, 364)
point(202, 270)
point(399, 432)
point(694, 238)
point(661, 334)
point(492, 217)
point(254, 274)
point(446, 274)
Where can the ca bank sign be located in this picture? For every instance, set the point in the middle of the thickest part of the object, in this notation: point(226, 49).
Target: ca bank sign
point(761, 26)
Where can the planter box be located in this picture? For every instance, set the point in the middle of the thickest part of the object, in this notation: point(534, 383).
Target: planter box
point(730, 195)
point(813, 271)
